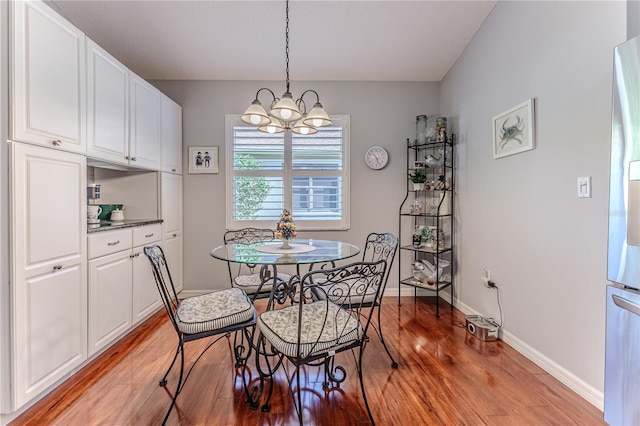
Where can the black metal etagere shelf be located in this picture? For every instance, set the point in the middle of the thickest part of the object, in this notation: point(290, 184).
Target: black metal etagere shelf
point(432, 207)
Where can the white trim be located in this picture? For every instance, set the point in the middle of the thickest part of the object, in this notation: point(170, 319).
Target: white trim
point(5, 346)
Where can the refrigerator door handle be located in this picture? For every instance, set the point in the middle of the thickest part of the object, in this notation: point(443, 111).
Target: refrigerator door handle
point(626, 304)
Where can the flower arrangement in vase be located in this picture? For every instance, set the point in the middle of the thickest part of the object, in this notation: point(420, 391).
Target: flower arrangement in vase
point(286, 228)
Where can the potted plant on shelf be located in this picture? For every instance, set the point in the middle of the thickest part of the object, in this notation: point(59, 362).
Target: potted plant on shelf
point(418, 177)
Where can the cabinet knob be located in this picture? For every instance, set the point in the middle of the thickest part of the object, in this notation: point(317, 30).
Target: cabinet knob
point(175, 235)
point(57, 142)
point(57, 267)
point(127, 157)
point(173, 170)
point(114, 243)
point(134, 159)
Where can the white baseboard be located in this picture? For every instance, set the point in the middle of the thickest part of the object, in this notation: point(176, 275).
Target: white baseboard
point(191, 293)
point(573, 382)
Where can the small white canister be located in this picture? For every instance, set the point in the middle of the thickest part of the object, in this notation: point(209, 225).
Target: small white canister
point(117, 215)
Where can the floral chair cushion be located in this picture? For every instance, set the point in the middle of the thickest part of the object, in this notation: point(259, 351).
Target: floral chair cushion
point(213, 311)
point(325, 326)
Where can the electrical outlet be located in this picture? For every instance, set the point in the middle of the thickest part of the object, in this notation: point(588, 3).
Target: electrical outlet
point(486, 277)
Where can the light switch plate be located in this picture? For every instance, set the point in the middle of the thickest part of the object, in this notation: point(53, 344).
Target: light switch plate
point(584, 187)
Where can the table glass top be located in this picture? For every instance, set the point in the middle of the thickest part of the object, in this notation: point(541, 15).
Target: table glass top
point(325, 251)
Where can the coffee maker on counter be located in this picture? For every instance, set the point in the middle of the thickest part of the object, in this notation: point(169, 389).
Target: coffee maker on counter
point(93, 211)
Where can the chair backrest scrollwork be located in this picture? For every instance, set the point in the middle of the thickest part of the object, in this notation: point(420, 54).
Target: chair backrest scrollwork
point(381, 246)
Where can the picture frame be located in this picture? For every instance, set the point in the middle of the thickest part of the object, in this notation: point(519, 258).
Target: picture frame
point(513, 130)
point(419, 164)
point(203, 160)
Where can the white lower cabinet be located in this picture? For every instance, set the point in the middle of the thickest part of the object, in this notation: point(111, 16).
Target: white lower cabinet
point(172, 247)
point(122, 290)
point(172, 226)
point(109, 298)
point(146, 299)
point(49, 261)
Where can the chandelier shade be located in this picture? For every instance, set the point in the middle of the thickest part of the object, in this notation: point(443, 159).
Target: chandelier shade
point(255, 115)
point(273, 126)
point(303, 129)
point(318, 117)
point(286, 111)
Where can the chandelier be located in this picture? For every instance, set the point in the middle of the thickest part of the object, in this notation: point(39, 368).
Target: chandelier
point(285, 113)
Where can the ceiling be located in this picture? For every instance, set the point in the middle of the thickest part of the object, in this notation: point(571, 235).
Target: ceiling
point(361, 40)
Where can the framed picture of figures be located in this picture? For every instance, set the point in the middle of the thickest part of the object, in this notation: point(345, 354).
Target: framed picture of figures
point(203, 159)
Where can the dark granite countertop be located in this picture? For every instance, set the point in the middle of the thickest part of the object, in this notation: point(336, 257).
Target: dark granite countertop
point(106, 225)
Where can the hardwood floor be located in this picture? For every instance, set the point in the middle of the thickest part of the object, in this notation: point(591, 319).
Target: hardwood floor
point(445, 377)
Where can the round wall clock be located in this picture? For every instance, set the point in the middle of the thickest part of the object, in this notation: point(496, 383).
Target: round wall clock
point(376, 157)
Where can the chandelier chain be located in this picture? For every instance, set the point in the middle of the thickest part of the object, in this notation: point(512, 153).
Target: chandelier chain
point(285, 114)
point(287, 42)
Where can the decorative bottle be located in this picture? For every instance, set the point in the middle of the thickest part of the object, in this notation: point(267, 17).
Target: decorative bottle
point(441, 129)
point(421, 129)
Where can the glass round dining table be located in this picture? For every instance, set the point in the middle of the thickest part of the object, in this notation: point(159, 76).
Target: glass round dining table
point(301, 252)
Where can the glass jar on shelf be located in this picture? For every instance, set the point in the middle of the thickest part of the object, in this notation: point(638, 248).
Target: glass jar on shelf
point(421, 129)
point(416, 207)
point(437, 239)
point(441, 129)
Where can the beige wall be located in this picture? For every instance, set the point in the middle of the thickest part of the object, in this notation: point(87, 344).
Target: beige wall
point(520, 215)
point(381, 114)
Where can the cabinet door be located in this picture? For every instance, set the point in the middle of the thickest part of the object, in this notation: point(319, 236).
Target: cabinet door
point(171, 203)
point(49, 291)
point(107, 106)
point(145, 139)
point(48, 78)
point(172, 223)
point(173, 250)
point(110, 288)
point(171, 136)
point(146, 298)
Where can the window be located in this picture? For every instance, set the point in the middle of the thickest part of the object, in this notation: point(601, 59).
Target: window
point(307, 174)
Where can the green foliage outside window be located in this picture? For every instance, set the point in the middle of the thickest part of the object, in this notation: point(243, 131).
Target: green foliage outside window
point(251, 191)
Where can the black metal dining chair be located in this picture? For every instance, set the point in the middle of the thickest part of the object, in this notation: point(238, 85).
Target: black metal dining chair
point(315, 330)
point(218, 313)
point(255, 280)
point(378, 246)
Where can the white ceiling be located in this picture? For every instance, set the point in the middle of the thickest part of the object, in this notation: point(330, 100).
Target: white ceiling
point(360, 40)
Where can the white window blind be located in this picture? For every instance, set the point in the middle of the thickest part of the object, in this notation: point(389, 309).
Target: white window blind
point(305, 174)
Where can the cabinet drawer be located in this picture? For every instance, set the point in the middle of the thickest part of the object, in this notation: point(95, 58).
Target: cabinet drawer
point(109, 242)
point(173, 234)
point(147, 234)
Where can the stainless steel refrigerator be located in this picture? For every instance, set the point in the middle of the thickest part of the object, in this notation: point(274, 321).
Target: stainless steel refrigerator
point(622, 356)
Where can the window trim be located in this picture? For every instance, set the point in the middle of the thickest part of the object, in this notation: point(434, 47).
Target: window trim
point(344, 224)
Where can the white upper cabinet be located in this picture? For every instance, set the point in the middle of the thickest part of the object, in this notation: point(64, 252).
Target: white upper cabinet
point(171, 136)
point(107, 106)
point(145, 140)
point(47, 78)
